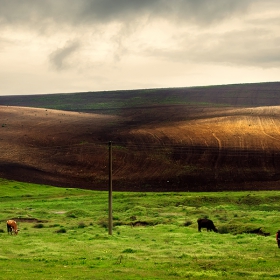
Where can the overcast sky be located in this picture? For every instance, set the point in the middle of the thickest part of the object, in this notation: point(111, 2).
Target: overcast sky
point(53, 46)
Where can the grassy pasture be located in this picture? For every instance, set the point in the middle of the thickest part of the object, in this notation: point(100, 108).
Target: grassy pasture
point(69, 238)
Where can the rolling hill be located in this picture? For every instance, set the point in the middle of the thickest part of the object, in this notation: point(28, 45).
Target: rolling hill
point(179, 139)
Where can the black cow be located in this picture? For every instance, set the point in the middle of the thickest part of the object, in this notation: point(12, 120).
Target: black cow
point(206, 223)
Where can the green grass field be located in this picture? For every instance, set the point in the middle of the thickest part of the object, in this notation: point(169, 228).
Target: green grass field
point(70, 240)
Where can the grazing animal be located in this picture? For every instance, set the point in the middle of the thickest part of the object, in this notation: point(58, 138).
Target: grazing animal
point(259, 231)
point(206, 223)
point(12, 227)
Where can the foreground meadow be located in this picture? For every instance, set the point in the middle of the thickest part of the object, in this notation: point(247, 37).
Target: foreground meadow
point(64, 235)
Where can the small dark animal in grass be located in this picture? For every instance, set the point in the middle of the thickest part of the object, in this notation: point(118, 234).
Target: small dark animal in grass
point(12, 227)
point(206, 223)
point(278, 238)
point(259, 231)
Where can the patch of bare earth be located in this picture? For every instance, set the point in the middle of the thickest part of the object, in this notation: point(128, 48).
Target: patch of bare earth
point(179, 148)
point(28, 220)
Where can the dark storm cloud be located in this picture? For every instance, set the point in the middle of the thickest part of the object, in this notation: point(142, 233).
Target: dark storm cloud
point(33, 13)
point(200, 11)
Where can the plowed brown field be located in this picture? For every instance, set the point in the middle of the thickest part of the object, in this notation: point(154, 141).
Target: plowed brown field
point(155, 148)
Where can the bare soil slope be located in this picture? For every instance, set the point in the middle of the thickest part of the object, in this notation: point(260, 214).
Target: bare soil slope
point(155, 148)
point(49, 146)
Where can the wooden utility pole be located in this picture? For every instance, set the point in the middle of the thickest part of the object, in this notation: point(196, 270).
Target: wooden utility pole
point(110, 222)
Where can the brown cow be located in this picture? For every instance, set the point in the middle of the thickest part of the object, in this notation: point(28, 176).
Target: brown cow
point(206, 223)
point(12, 227)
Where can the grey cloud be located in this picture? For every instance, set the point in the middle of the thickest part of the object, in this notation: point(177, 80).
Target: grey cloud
point(34, 13)
point(60, 57)
point(251, 47)
point(240, 47)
